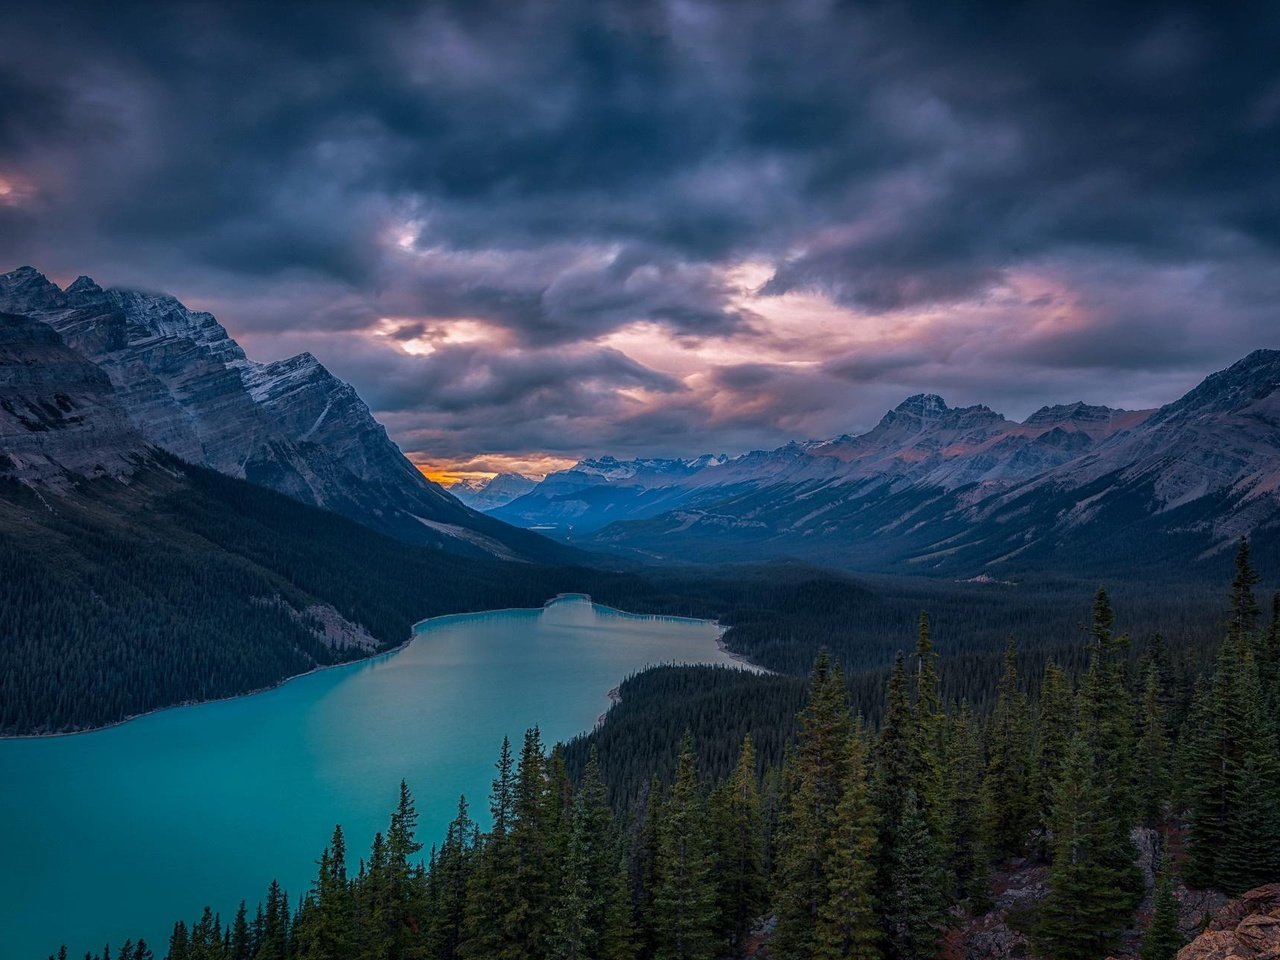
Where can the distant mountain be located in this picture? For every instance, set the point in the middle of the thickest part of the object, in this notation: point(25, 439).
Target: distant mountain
point(488, 493)
point(189, 389)
point(964, 491)
point(592, 493)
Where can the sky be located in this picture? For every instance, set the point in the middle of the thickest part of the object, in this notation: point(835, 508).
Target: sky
point(531, 232)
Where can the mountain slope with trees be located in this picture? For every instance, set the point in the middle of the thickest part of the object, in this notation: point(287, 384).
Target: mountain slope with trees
point(865, 840)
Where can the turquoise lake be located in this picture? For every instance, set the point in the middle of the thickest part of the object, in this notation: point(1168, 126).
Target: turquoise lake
point(119, 832)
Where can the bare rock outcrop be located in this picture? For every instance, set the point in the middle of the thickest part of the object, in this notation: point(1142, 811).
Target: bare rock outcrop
point(1247, 928)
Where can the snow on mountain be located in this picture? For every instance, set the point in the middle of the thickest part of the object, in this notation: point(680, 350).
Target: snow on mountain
point(491, 492)
point(940, 487)
point(290, 425)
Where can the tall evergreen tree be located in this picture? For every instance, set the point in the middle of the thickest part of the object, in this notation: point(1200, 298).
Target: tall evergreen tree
point(1090, 901)
point(685, 893)
point(968, 858)
point(585, 906)
point(1163, 939)
point(1006, 810)
point(1153, 753)
point(1053, 732)
point(737, 822)
point(814, 780)
point(916, 912)
point(847, 922)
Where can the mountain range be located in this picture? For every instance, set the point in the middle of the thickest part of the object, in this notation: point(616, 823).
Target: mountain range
point(935, 489)
point(152, 373)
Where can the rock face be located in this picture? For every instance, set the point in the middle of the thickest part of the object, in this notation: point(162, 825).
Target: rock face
point(290, 425)
point(1247, 928)
point(59, 417)
point(960, 491)
point(493, 492)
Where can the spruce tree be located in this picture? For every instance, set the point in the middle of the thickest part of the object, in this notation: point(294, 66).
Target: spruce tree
point(582, 913)
point(644, 871)
point(1053, 732)
point(1163, 939)
point(814, 778)
point(241, 940)
point(685, 894)
point(490, 898)
point(1153, 753)
point(738, 832)
point(916, 912)
point(847, 922)
point(451, 880)
point(1006, 811)
point(1090, 901)
point(968, 859)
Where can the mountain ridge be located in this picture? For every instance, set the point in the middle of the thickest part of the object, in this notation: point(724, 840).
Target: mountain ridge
point(289, 425)
point(934, 488)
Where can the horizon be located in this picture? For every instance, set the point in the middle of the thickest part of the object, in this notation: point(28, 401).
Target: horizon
point(647, 229)
point(539, 468)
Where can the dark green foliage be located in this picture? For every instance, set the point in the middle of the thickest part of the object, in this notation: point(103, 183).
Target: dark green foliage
point(684, 888)
point(1091, 897)
point(738, 842)
point(863, 841)
point(1163, 939)
point(1006, 800)
point(916, 909)
point(814, 781)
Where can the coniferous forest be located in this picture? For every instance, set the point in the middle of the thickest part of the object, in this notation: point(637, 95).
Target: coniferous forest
point(834, 819)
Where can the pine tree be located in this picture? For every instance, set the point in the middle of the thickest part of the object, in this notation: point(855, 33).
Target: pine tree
point(1250, 856)
point(326, 930)
point(1231, 757)
point(1153, 753)
point(490, 898)
point(847, 922)
point(1090, 901)
point(1005, 809)
point(968, 859)
point(916, 912)
point(685, 894)
point(645, 871)
point(813, 783)
point(738, 831)
point(1245, 612)
point(1163, 939)
point(450, 877)
point(584, 908)
point(928, 725)
point(1053, 732)
point(179, 943)
point(241, 942)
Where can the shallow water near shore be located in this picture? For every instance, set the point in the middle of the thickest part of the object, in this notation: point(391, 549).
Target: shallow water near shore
point(119, 832)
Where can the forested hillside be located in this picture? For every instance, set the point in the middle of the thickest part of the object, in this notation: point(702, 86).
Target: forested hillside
point(184, 585)
point(870, 839)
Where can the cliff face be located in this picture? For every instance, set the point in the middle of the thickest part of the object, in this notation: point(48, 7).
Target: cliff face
point(292, 426)
point(59, 417)
point(1247, 928)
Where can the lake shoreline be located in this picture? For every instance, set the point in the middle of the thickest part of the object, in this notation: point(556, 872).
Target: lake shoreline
point(374, 656)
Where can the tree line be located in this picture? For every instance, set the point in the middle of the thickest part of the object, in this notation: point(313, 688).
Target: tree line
point(868, 839)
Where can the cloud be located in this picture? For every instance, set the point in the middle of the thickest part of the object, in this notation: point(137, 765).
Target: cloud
point(666, 226)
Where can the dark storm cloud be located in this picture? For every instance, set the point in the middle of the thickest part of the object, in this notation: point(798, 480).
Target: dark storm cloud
point(559, 171)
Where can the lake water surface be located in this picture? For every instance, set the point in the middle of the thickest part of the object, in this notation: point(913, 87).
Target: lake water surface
point(119, 832)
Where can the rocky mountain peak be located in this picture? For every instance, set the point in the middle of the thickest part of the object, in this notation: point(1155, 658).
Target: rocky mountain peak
point(27, 286)
point(1241, 385)
point(1078, 412)
point(926, 406)
point(59, 417)
point(83, 286)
